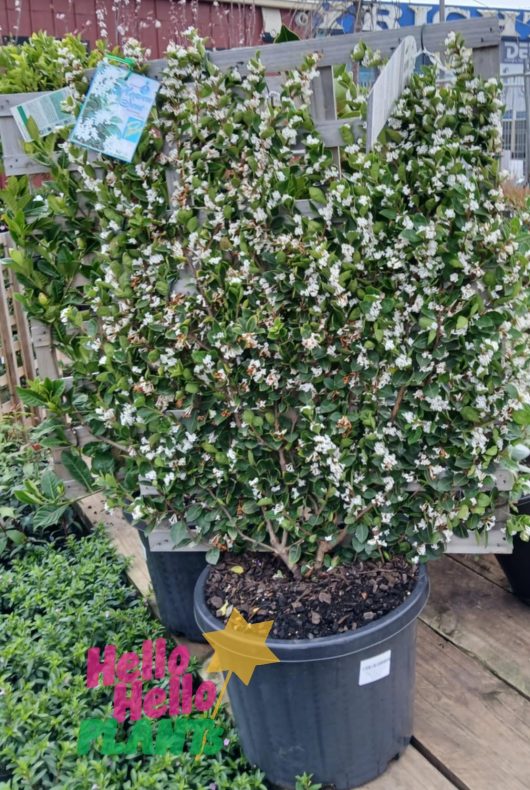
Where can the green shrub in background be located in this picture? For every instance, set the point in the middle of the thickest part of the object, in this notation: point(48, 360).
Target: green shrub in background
point(41, 63)
point(33, 505)
point(25, 462)
point(56, 603)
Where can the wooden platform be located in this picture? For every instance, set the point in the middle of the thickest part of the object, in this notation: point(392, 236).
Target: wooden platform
point(472, 721)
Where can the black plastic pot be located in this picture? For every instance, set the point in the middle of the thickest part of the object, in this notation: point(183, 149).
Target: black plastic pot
point(516, 566)
point(338, 707)
point(174, 575)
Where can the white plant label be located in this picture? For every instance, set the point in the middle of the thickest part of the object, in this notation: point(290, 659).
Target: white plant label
point(47, 112)
point(374, 668)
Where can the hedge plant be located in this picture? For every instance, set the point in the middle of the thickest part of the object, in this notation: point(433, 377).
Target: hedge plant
point(55, 603)
point(329, 385)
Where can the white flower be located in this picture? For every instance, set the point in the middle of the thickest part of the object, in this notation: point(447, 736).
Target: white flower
point(310, 342)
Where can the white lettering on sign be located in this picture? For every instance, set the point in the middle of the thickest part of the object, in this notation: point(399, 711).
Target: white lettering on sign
point(388, 87)
point(374, 668)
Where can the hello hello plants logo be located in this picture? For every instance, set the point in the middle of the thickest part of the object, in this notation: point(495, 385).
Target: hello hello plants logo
point(239, 648)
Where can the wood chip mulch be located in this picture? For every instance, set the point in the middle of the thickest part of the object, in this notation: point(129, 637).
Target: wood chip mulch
point(330, 602)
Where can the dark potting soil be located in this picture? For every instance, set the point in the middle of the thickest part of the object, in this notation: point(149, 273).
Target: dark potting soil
point(330, 602)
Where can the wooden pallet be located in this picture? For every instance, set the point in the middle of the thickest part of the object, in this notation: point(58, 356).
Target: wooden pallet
point(472, 711)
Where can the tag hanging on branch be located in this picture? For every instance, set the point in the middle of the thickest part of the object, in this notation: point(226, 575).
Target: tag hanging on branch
point(115, 110)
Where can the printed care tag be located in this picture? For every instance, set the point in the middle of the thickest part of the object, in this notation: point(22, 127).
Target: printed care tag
point(46, 111)
point(374, 668)
point(115, 112)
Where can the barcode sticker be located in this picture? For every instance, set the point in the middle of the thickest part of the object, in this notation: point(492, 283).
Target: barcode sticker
point(374, 668)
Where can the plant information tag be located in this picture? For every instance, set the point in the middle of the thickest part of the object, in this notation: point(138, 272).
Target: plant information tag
point(115, 112)
point(374, 668)
point(45, 111)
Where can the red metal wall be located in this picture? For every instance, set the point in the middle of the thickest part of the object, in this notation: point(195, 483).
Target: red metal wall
point(154, 22)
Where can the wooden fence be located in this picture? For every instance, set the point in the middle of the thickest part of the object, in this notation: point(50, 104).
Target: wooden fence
point(21, 361)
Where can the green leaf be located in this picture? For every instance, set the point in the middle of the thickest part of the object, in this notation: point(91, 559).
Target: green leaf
point(179, 533)
point(212, 556)
point(50, 485)
point(7, 512)
point(522, 417)
point(470, 414)
point(78, 469)
point(31, 398)
point(25, 497)
point(317, 195)
point(16, 536)
point(194, 513)
point(286, 34)
point(361, 533)
point(33, 129)
point(48, 515)
point(295, 553)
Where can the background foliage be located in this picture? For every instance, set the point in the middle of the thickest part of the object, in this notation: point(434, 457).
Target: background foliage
point(55, 603)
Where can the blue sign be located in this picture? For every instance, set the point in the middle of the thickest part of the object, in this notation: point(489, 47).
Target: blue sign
point(514, 24)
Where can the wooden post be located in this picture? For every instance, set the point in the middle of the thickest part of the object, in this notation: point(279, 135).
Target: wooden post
point(323, 104)
point(44, 351)
point(527, 125)
point(7, 345)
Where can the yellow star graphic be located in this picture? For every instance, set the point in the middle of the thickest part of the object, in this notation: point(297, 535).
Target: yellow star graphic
point(240, 647)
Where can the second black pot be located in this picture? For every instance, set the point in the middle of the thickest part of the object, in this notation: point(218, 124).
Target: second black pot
point(516, 566)
point(338, 707)
point(174, 575)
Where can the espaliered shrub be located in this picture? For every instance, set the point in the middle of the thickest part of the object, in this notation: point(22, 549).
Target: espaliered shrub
point(328, 386)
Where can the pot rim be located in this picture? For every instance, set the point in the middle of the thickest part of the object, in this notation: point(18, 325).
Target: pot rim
point(325, 648)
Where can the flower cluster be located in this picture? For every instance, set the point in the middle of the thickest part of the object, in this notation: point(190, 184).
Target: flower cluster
point(278, 353)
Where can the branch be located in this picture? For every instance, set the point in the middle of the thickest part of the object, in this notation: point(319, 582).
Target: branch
point(397, 404)
point(279, 549)
point(325, 546)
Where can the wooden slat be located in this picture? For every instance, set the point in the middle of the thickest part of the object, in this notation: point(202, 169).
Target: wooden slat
point(124, 537)
point(160, 540)
point(15, 159)
point(487, 62)
point(483, 35)
point(41, 335)
point(485, 565)
point(26, 347)
point(324, 109)
point(497, 544)
point(467, 720)
point(477, 33)
point(481, 618)
point(8, 100)
point(411, 772)
point(7, 349)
